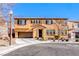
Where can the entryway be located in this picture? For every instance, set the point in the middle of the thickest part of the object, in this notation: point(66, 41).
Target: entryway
point(77, 36)
point(40, 32)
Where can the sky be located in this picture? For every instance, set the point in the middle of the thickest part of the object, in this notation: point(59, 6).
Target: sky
point(48, 10)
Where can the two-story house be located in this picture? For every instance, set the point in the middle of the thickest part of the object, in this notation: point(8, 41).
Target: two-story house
point(45, 28)
point(73, 30)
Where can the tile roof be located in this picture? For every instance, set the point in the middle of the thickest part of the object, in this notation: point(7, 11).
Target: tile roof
point(17, 18)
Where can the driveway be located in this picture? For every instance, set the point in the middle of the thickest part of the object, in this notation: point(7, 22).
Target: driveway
point(30, 41)
point(46, 49)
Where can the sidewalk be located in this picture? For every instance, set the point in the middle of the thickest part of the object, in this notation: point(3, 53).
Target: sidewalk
point(25, 42)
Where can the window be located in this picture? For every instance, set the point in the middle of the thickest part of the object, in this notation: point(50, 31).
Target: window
point(21, 22)
point(65, 22)
point(76, 34)
point(78, 25)
point(63, 32)
point(50, 32)
point(1, 29)
point(49, 21)
point(32, 21)
point(77, 30)
point(72, 26)
point(35, 21)
point(47, 32)
point(53, 31)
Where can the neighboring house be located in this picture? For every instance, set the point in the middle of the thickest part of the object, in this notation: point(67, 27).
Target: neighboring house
point(3, 27)
point(45, 28)
point(4, 39)
point(73, 30)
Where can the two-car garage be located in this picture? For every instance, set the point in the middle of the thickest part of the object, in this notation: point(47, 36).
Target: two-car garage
point(25, 34)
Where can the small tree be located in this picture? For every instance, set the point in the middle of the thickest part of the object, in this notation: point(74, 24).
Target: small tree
point(58, 24)
point(4, 9)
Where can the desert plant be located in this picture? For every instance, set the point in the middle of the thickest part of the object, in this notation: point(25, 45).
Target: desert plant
point(67, 40)
point(56, 36)
point(35, 37)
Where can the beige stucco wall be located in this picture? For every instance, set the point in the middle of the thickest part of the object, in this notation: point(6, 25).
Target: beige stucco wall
point(35, 31)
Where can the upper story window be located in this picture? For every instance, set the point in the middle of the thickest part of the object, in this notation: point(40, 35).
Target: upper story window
point(72, 26)
point(64, 22)
point(32, 21)
point(49, 21)
point(21, 22)
point(35, 21)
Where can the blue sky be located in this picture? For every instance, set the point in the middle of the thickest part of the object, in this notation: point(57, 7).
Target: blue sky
point(50, 10)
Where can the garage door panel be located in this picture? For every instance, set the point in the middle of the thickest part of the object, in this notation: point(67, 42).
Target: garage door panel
point(25, 34)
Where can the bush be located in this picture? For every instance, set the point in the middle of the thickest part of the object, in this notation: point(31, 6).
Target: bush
point(67, 40)
point(36, 38)
point(62, 40)
point(56, 36)
point(77, 40)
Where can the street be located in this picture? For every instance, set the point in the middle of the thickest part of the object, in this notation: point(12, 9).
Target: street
point(46, 49)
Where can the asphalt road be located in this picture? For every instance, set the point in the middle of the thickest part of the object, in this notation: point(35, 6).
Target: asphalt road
point(47, 49)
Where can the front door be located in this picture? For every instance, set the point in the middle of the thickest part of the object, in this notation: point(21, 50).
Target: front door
point(40, 33)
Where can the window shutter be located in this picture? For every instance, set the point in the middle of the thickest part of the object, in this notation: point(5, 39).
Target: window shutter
point(46, 22)
point(17, 21)
point(25, 22)
point(51, 21)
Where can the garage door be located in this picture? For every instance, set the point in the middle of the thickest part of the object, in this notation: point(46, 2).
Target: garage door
point(76, 34)
point(25, 34)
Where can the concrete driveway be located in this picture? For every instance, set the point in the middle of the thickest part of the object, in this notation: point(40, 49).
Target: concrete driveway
point(30, 40)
